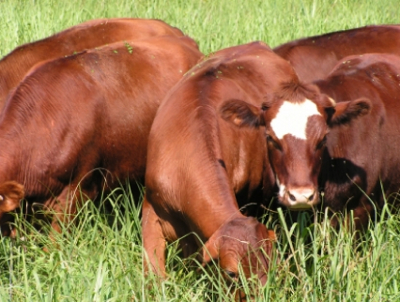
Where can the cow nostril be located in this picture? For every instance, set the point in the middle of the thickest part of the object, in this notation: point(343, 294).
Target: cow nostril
point(292, 197)
point(311, 197)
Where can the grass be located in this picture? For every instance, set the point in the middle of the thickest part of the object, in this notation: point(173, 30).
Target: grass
point(100, 259)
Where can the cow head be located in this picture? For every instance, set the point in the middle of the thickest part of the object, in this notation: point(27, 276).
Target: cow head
point(11, 193)
point(296, 129)
point(241, 242)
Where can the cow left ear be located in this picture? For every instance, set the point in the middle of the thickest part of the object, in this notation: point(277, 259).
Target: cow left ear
point(346, 111)
point(242, 113)
point(210, 250)
point(11, 193)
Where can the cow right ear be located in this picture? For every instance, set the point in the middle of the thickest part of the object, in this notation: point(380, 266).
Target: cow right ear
point(241, 113)
point(11, 193)
point(347, 111)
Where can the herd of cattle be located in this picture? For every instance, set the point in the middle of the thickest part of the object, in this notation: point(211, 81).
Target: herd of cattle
point(314, 120)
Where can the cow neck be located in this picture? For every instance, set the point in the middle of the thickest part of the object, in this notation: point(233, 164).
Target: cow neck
point(217, 205)
point(10, 169)
point(14, 155)
point(213, 214)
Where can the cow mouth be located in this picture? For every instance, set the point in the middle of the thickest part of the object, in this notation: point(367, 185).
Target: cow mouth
point(300, 207)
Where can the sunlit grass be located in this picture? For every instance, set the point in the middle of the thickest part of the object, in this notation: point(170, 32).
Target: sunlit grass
point(100, 259)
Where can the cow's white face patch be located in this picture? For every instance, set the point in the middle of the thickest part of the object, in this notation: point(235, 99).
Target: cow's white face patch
point(292, 119)
point(282, 188)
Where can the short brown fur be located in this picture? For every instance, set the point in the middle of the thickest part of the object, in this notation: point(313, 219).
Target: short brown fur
point(90, 34)
point(77, 125)
point(201, 169)
point(314, 57)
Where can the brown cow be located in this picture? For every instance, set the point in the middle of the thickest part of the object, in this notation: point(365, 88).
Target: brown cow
point(314, 57)
point(80, 123)
point(197, 162)
point(360, 131)
point(87, 35)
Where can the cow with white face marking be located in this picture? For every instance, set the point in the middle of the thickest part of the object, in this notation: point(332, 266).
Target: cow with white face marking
point(360, 163)
point(296, 192)
point(295, 128)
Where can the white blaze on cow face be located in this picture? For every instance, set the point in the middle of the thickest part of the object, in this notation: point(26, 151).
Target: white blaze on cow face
point(282, 188)
point(292, 119)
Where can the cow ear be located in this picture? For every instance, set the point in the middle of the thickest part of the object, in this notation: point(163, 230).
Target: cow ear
point(210, 249)
point(11, 193)
point(242, 113)
point(268, 236)
point(271, 235)
point(347, 111)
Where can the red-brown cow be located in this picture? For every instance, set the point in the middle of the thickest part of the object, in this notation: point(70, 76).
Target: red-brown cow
point(197, 162)
point(360, 131)
point(87, 35)
point(78, 124)
point(314, 57)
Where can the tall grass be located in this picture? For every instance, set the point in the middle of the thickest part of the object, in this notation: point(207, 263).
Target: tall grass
point(100, 257)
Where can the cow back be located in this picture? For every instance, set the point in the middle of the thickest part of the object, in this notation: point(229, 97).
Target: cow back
point(314, 57)
point(87, 35)
point(85, 118)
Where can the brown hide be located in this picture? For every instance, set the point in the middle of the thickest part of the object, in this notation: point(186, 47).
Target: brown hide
point(314, 57)
point(11, 193)
point(197, 163)
point(86, 35)
point(79, 124)
point(283, 117)
point(362, 153)
point(348, 147)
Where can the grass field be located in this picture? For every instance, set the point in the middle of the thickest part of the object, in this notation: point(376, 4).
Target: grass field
point(99, 260)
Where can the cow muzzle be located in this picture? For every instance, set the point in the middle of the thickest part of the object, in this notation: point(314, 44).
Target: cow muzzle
point(299, 199)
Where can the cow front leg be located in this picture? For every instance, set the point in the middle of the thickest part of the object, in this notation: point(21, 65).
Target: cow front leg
point(363, 214)
point(153, 241)
point(64, 207)
point(358, 221)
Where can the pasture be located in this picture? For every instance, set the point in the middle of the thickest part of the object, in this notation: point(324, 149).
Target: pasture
point(100, 257)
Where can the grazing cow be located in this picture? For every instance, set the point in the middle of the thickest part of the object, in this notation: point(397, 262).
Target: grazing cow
point(78, 124)
point(313, 58)
point(360, 163)
point(197, 163)
point(87, 35)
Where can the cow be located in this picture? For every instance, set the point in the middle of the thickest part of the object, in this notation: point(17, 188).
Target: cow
point(345, 149)
point(314, 57)
point(86, 35)
point(78, 124)
point(201, 169)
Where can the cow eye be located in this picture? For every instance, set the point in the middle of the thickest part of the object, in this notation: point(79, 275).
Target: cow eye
point(1, 197)
point(321, 143)
point(231, 274)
